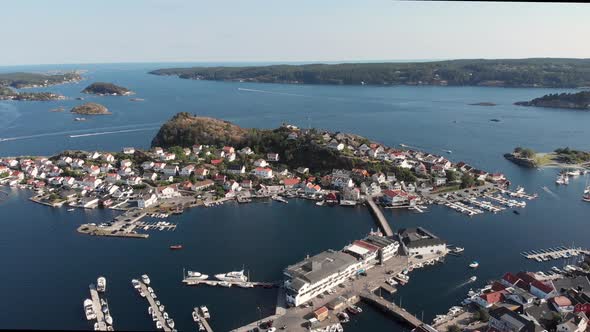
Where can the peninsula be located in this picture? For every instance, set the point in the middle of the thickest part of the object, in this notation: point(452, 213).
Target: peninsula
point(106, 89)
point(561, 157)
point(20, 80)
point(6, 93)
point(90, 109)
point(534, 72)
point(578, 101)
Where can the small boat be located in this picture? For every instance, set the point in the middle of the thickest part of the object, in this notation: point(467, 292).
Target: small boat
point(448, 151)
point(320, 203)
point(201, 326)
point(195, 315)
point(141, 293)
point(586, 195)
point(108, 319)
point(205, 312)
point(473, 279)
point(71, 210)
point(473, 264)
point(197, 275)
point(159, 325)
point(88, 309)
point(176, 247)
point(343, 317)
point(170, 322)
point(515, 212)
point(101, 284)
point(224, 284)
point(245, 285)
point(145, 279)
point(562, 179)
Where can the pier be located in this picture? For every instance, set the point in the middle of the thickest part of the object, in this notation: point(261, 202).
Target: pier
point(97, 307)
point(156, 226)
point(248, 284)
point(518, 193)
point(391, 308)
point(506, 202)
point(122, 226)
point(155, 309)
point(485, 205)
point(204, 321)
point(554, 253)
point(380, 218)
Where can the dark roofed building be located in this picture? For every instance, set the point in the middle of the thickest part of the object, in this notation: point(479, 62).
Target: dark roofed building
point(419, 241)
point(505, 320)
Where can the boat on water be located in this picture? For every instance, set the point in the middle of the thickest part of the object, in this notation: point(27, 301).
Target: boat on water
point(343, 317)
point(245, 285)
point(205, 312)
point(201, 326)
point(320, 203)
point(176, 247)
point(448, 151)
point(562, 179)
point(238, 276)
point(159, 325)
point(108, 319)
point(224, 284)
point(145, 279)
point(279, 199)
point(473, 264)
point(355, 310)
point(473, 279)
point(101, 284)
point(135, 283)
point(197, 275)
point(196, 317)
point(71, 210)
point(88, 310)
point(574, 172)
point(515, 212)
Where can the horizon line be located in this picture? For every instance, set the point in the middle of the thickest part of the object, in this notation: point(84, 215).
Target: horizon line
point(286, 62)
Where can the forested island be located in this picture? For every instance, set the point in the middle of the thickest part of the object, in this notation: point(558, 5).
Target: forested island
point(106, 89)
point(7, 93)
point(90, 109)
point(536, 72)
point(579, 101)
point(20, 80)
point(559, 157)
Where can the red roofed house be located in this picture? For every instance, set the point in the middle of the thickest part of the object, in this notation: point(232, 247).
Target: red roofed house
point(216, 161)
point(542, 290)
point(489, 299)
point(290, 183)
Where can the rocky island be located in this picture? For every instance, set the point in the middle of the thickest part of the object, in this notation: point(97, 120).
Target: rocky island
point(106, 89)
point(90, 109)
point(578, 101)
point(535, 72)
point(561, 157)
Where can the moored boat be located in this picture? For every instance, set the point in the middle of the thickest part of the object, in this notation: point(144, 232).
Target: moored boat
point(205, 312)
point(238, 276)
point(473, 264)
point(145, 279)
point(101, 284)
point(176, 247)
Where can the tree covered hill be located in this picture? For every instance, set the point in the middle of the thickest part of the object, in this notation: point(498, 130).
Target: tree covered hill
point(536, 72)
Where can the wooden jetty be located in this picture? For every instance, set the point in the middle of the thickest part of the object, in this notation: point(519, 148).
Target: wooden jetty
point(391, 308)
point(379, 217)
point(554, 253)
point(204, 321)
point(97, 307)
point(155, 308)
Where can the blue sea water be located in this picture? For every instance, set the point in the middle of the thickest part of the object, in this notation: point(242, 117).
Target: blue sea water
point(46, 264)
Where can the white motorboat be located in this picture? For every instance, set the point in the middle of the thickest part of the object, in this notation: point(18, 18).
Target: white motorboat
point(473, 279)
point(245, 285)
point(473, 264)
point(195, 315)
point(101, 284)
point(88, 310)
point(135, 283)
point(205, 312)
point(224, 284)
point(201, 326)
point(108, 319)
point(562, 179)
point(197, 275)
point(159, 325)
point(170, 322)
point(141, 293)
point(145, 279)
point(238, 276)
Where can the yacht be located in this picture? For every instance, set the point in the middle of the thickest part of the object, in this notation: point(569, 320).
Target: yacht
point(101, 284)
point(145, 279)
point(473, 279)
point(197, 275)
point(473, 264)
point(245, 285)
point(205, 312)
point(159, 325)
point(575, 172)
point(232, 276)
point(586, 196)
point(108, 319)
point(195, 314)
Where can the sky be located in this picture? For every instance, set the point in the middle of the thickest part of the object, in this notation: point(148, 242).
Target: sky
point(106, 31)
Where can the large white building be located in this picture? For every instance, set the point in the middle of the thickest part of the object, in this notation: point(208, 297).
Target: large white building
point(418, 241)
point(315, 275)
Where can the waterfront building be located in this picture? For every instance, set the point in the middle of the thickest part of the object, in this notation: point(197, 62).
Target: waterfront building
point(147, 200)
point(128, 150)
point(260, 163)
point(419, 241)
point(503, 319)
point(314, 275)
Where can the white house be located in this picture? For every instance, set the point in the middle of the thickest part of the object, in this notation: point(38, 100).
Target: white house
point(263, 172)
point(187, 170)
point(168, 156)
point(272, 156)
point(260, 163)
point(147, 165)
point(147, 200)
point(170, 170)
point(128, 150)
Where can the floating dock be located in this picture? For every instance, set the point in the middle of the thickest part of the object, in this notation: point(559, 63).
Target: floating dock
point(155, 309)
point(248, 284)
point(543, 255)
point(102, 324)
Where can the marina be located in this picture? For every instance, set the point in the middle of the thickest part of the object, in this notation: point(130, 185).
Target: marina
point(201, 316)
point(97, 309)
point(543, 255)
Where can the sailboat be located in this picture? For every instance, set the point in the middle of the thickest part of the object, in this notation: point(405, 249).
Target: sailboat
point(562, 179)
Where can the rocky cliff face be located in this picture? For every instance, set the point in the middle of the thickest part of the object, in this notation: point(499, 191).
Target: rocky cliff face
point(185, 129)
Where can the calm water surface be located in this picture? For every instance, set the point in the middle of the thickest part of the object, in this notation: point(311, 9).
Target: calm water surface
point(46, 263)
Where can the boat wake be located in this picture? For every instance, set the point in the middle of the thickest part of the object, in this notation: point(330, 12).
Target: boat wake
point(547, 190)
point(112, 132)
point(81, 131)
point(272, 92)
